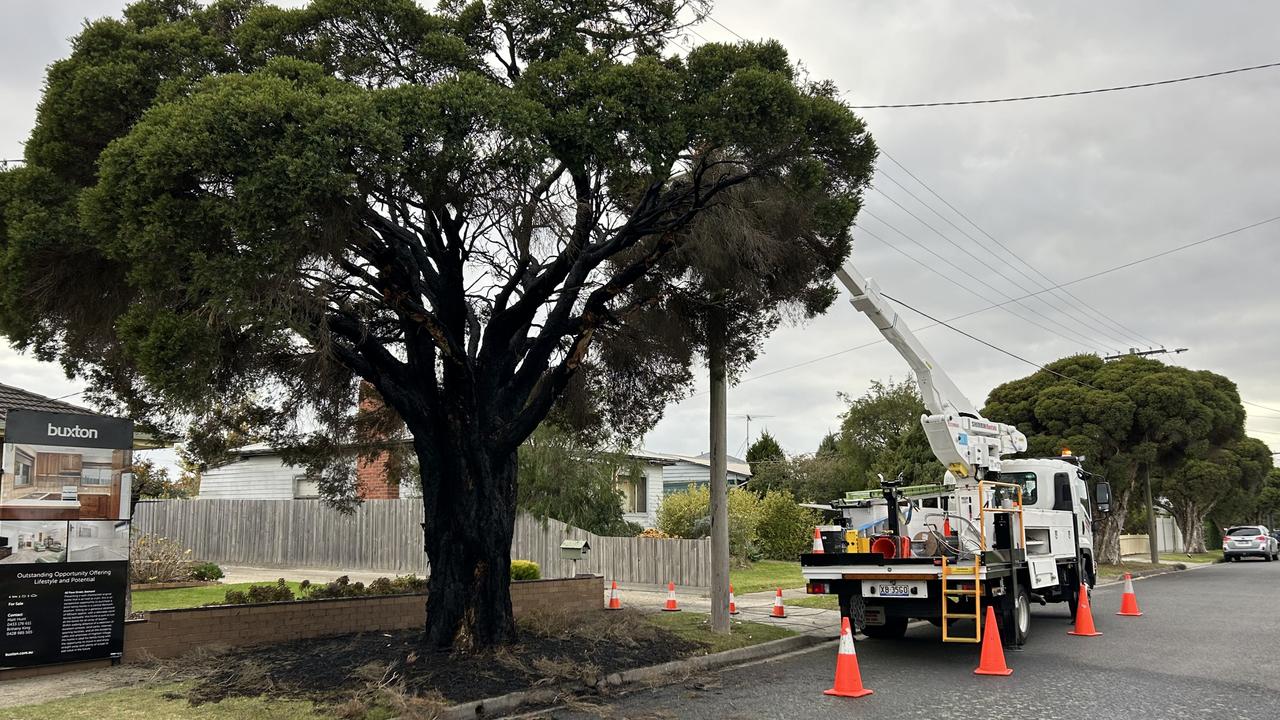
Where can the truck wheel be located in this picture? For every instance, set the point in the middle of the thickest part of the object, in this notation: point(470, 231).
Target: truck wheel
point(1016, 619)
point(892, 629)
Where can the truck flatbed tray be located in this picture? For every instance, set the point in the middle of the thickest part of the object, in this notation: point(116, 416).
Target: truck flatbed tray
point(826, 559)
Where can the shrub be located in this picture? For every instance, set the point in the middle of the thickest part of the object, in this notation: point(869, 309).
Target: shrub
point(688, 515)
point(785, 529)
point(344, 588)
point(279, 592)
point(155, 559)
point(653, 533)
point(525, 570)
point(206, 571)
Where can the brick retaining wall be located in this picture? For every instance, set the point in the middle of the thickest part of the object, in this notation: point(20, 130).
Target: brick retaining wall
point(169, 633)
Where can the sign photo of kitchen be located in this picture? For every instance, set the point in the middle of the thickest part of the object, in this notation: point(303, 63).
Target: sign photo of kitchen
point(50, 482)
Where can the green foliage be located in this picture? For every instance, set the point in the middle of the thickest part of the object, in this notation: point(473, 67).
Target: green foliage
point(1268, 503)
point(764, 451)
point(278, 592)
point(1132, 417)
point(206, 571)
point(562, 478)
point(342, 587)
point(785, 529)
point(688, 515)
point(880, 433)
point(153, 482)
point(476, 210)
point(525, 570)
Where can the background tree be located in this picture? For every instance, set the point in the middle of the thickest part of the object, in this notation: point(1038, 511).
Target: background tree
point(462, 208)
point(1267, 508)
point(1221, 481)
point(564, 479)
point(880, 432)
point(1130, 418)
point(765, 450)
point(152, 482)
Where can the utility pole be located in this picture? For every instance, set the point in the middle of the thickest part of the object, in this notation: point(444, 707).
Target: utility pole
point(718, 368)
point(1135, 352)
point(1152, 539)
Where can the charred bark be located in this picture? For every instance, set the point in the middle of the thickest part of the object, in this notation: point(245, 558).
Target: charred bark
point(469, 511)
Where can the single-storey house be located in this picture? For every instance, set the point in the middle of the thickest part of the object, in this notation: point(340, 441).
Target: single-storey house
point(666, 473)
point(258, 471)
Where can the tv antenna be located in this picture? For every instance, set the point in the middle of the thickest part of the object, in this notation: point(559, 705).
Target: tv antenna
point(749, 417)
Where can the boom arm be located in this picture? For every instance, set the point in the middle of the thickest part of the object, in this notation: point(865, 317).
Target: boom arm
point(940, 395)
point(969, 445)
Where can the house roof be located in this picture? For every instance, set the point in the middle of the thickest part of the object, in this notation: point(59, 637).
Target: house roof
point(737, 466)
point(12, 398)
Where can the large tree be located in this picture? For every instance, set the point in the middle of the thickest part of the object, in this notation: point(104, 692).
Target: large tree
point(1133, 418)
point(241, 202)
point(1215, 479)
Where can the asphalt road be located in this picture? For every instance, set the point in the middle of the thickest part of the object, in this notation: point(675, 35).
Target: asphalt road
point(1208, 647)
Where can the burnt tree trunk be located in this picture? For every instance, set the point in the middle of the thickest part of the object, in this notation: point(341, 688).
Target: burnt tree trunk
point(469, 499)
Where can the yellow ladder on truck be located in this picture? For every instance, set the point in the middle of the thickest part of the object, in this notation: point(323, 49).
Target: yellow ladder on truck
point(952, 576)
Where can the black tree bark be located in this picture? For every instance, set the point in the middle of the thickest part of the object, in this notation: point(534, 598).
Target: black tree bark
point(470, 512)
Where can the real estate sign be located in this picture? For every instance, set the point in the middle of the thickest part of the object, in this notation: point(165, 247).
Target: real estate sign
point(65, 483)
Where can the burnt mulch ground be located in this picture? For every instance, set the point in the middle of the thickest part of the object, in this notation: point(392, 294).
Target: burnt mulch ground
point(369, 667)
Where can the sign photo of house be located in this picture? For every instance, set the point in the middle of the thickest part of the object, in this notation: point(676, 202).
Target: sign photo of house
point(49, 482)
point(23, 542)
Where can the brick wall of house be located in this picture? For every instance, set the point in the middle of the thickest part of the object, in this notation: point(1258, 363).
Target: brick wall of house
point(372, 482)
point(169, 633)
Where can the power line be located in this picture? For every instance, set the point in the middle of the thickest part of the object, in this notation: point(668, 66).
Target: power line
point(726, 27)
point(1078, 339)
point(1083, 304)
point(1046, 96)
point(990, 307)
point(1264, 407)
point(961, 285)
point(980, 261)
point(993, 346)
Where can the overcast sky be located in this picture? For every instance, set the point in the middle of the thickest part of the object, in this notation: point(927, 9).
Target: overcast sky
point(1071, 185)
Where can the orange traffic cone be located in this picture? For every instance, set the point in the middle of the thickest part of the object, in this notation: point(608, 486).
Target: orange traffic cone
point(992, 660)
point(1129, 601)
point(817, 543)
point(848, 677)
point(671, 599)
point(779, 611)
point(1084, 616)
point(615, 602)
point(733, 604)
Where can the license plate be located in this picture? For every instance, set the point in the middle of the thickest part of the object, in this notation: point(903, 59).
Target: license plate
point(900, 589)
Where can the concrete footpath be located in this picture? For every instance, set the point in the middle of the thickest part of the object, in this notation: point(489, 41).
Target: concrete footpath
point(755, 607)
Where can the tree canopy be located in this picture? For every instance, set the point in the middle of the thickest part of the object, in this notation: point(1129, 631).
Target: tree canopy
point(764, 450)
point(1133, 417)
point(478, 211)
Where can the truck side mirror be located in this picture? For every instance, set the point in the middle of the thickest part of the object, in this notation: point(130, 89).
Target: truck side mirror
point(1102, 496)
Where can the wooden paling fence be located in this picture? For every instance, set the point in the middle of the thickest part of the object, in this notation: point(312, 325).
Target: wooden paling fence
point(386, 536)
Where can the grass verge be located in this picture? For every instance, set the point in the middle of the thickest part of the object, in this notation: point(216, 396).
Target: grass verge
point(696, 627)
point(163, 703)
point(1212, 556)
point(822, 602)
point(178, 598)
point(1115, 572)
point(766, 575)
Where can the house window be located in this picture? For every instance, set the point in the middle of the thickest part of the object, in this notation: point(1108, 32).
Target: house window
point(304, 487)
point(634, 493)
point(95, 475)
point(22, 471)
point(671, 488)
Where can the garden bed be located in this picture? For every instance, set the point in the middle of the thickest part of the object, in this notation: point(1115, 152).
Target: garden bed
point(179, 585)
point(359, 674)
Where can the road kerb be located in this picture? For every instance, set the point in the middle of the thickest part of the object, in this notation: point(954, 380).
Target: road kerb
point(495, 706)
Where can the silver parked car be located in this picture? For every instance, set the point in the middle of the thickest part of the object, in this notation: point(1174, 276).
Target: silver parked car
point(1243, 540)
